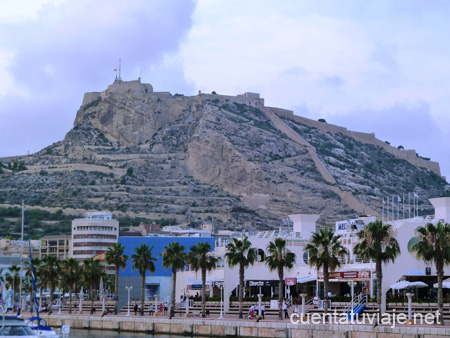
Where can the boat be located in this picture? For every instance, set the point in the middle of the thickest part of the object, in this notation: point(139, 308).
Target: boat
point(40, 327)
point(37, 324)
point(13, 326)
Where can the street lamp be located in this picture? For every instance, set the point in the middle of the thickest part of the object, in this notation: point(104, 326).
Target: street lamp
point(221, 312)
point(352, 285)
point(129, 288)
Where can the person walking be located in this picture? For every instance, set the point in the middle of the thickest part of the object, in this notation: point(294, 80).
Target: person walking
point(135, 308)
point(263, 311)
point(285, 309)
point(150, 311)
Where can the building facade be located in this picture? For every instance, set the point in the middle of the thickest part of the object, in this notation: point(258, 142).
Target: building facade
point(93, 235)
point(59, 246)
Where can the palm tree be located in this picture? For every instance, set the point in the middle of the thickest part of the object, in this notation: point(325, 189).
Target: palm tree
point(70, 276)
point(378, 242)
point(114, 256)
point(32, 271)
point(434, 245)
point(50, 273)
point(240, 252)
point(199, 259)
point(143, 261)
point(325, 249)
point(92, 272)
point(174, 257)
point(278, 258)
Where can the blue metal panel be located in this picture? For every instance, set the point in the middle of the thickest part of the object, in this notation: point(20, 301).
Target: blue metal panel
point(158, 243)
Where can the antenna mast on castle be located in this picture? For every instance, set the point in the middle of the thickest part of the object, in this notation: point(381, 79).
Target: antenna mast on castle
point(120, 78)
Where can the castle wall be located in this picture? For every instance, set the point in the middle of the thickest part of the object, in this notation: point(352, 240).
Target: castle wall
point(367, 138)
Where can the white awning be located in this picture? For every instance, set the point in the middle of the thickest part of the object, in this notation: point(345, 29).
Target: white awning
point(306, 279)
point(197, 281)
point(406, 285)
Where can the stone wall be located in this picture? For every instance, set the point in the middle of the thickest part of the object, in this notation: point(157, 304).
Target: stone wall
point(228, 328)
point(368, 138)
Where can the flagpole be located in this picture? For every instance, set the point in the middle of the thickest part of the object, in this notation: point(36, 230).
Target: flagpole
point(409, 205)
point(393, 208)
point(403, 195)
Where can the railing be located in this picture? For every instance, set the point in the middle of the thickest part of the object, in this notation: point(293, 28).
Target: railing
point(289, 301)
point(357, 301)
point(309, 305)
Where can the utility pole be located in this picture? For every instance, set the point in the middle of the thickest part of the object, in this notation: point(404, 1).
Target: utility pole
point(21, 259)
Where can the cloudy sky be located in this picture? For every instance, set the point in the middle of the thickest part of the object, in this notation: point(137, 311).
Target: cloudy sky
point(374, 66)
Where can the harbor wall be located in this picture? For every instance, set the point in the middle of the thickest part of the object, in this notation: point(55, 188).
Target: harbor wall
point(229, 328)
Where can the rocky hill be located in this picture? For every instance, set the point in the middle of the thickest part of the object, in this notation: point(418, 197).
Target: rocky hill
point(229, 160)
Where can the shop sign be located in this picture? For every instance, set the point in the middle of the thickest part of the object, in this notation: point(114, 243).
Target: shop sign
point(261, 283)
point(289, 281)
point(346, 275)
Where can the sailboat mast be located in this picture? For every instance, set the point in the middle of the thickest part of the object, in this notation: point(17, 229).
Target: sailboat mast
point(21, 258)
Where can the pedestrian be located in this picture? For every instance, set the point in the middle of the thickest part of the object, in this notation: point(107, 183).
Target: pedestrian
point(263, 311)
point(150, 311)
point(135, 308)
point(296, 309)
point(160, 307)
point(285, 309)
point(165, 308)
point(140, 308)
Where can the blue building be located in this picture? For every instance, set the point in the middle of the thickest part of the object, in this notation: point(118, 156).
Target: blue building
point(157, 283)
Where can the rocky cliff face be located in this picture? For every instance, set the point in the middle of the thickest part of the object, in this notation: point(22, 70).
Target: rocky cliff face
point(211, 158)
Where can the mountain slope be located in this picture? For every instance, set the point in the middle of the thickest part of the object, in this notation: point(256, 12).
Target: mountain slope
point(228, 160)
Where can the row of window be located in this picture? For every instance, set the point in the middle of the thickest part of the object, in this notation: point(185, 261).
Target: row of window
point(92, 228)
point(54, 243)
point(87, 252)
point(95, 236)
point(101, 244)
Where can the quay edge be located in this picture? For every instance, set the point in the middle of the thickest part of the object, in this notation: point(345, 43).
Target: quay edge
point(244, 329)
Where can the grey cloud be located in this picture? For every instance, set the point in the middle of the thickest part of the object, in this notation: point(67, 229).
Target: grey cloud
point(74, 49)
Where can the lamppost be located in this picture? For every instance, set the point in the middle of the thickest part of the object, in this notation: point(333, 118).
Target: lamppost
point(352, 286)
point(221, 312)
point(129, 288)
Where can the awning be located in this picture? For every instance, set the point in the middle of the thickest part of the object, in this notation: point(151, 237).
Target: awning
point(406, 285)
point(306, 279)
point(445, 284)
point(195, 281)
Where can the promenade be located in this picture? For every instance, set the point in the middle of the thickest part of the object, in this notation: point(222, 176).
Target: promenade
point(231, 326)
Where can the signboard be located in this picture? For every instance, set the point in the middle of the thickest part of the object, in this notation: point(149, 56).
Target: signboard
point(217, 284)
point(261, 283)
point(65, 329)
point(297, 242)
point(346, 275)
point(289, 281)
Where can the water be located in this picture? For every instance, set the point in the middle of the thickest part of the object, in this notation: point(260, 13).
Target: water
point(77, 333)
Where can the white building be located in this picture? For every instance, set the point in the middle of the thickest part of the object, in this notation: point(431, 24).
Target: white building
point(353, 268)
point(93, 235)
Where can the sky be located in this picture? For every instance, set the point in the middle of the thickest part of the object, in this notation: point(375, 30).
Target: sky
point(371, 66)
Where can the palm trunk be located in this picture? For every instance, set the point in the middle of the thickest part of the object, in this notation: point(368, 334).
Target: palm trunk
point(440, 295)
point(142, 294)
point(91, 292)
point(326, 281)
point(203, 292)
point(70, 299)
point(241, 289)
point(280, 292)
point(116, 291)
point(379, 273)
point(174, 285)
point(52, 294)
